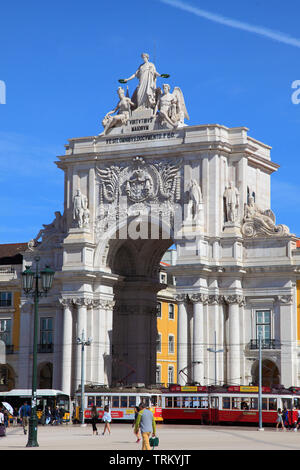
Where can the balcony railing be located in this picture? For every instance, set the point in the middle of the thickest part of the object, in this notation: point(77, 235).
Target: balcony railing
point(45, 348)
point(265, 344)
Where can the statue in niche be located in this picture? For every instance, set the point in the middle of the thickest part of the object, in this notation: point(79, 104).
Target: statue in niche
point(231, 196)
point(123, 110)
point(145, 93)
point(171, 107)
point(195, 202)
point(80, 209)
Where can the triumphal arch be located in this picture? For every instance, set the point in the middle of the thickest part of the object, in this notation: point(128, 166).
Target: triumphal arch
point(147, 181)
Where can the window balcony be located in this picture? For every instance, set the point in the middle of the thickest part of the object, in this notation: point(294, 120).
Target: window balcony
point(45, 348)
point(265, 344)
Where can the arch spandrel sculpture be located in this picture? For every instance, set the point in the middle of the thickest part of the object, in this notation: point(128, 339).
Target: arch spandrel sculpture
point(147, 182)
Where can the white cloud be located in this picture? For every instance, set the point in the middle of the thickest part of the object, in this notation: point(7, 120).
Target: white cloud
point(260, 30)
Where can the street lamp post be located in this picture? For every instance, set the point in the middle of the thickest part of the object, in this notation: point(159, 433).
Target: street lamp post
point(30, 284)
point(81, 341)
point(260, 426)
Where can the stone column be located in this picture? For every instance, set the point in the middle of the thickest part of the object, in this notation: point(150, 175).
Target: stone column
point(198, 338)
point(182, 339)
point(108, 306)
point(67, 341)
point(82, 304)
point(288, 339)
point(234, 373)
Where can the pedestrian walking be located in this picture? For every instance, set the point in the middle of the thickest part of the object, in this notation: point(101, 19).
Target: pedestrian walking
point(94, 420)
point(48, 415)
point(285, 418)
point(294, 418)
point(146, 423)
point(56, 416)
point(136, 412)
point(106, 419)
point(279, 420)
point(25, 412)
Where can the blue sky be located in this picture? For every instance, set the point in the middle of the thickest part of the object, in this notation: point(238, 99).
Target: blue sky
point(61, 60)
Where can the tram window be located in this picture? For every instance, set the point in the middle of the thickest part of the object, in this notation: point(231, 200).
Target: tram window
point(132, 402)
point(153, 400)
point(106, 401)
point(287, 403)
point(196, 403)
point(253, 404)
point(98, 401)
point(186, 402)
point(226, 403)
point(215, 402)
point(177, 402)
point(203, 403)
point(145, 400)
point(169, 402)
point(115, 402)
point(235, 403)
point(123, 402)
point(297, 402)
point(245, 404)
point(272, 403)
point(91, 401)
point(264, 404)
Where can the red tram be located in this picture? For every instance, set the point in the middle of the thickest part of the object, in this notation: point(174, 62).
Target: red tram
point(225, 405)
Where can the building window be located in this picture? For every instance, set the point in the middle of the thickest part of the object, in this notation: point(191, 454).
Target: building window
point(158, 343)
point(46, 334)
point(158, 310)
point(5, 331)
point(5, 299)
point(158, 374)
point(163, 278)
point(171, 344)
point(263, 324)
point(170, 374)
point(171, 312)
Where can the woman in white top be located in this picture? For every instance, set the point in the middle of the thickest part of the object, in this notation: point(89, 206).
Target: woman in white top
point(106, 419)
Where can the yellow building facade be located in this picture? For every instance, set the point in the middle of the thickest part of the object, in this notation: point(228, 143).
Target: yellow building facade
point(166, 355)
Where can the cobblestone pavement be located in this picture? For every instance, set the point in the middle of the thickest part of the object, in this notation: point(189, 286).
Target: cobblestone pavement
point(172, 437)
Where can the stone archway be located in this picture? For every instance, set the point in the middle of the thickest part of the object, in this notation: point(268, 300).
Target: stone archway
point(270, 373)
point(134, 329)
point(45, 375)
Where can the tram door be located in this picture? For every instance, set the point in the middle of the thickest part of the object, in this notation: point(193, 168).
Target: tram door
point(214, 410)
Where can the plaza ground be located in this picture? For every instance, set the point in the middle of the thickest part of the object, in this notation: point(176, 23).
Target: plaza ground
point(172, 437)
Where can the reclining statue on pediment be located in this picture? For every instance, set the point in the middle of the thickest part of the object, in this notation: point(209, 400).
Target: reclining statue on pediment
point(258, 222)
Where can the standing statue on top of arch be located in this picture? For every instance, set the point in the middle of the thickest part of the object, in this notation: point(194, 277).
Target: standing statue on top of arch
point(145, 93)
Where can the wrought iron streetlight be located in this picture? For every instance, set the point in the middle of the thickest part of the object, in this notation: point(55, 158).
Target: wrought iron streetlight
point(36, 289)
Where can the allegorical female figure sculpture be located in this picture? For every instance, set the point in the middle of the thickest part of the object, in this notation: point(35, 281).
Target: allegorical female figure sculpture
point(145, 93)
point(123, 110)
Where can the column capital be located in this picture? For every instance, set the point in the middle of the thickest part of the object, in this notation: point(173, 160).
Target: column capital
point(180, 298)
point(104, 304)
point(284, 299)
point(66, 302)
point(199, 298)
point(235, 299)
point(82, 301)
